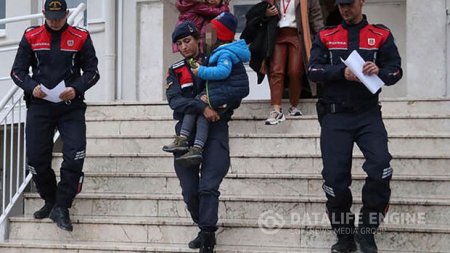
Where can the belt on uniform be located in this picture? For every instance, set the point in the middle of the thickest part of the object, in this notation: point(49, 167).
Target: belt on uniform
point(342, 108)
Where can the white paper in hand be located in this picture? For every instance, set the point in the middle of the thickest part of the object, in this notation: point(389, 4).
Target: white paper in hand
point(355, 63)
point(53, 94)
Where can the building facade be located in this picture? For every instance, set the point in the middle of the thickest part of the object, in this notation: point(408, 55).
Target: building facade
point(133, 43)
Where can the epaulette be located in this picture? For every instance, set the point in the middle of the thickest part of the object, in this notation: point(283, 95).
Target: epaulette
point(381, 26)
point(328, 27)
point(31, 28)
point(178, 64)
point(81, 29)
point(329, 30)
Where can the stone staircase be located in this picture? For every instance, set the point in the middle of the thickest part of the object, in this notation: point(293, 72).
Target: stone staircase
point(131, 201)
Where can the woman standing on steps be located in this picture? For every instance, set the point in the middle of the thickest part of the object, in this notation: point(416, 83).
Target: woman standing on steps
point(200, 183)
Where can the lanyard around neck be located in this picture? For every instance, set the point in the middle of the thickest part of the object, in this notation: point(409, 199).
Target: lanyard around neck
point(286, 6)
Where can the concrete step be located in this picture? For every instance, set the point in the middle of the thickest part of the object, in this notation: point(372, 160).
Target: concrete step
point(30, 246)
point(34, 246)
point(262, 108)
point(244, 125)
point(413, 165)
point(231, 232)
point(401, 210)
point(281, 144)
point(258, 184)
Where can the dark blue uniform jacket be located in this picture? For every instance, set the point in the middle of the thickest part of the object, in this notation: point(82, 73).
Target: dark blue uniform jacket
point(373, 42)
point(54, 57)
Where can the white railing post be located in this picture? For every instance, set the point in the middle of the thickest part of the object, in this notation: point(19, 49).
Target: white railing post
point(4, 168)
point(74, 13)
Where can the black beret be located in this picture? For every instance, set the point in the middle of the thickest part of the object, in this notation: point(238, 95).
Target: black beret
point(183, 30)
point(345, 1)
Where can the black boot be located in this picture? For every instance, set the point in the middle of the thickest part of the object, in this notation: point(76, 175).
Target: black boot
point(60, 216)
point(196, 243)
point(44, 212)
point(179, 145)
point(208, 241)
point(345, 244)
point(192, 158)
point(366, 242)
point(343, 224)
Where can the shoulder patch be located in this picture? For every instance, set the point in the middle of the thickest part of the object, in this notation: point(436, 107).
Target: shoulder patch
point(31, 28)
point(81, 29)
point(34, 32)
point(168, 84)
point(38, 38)
point(178, 64)
point(380, 30)
point(330, 30)
point(79, 32)
point(328, 27)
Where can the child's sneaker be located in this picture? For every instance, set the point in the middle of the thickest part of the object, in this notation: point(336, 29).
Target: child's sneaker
point(179, 145)
point(275, 118)
point(294, 111)
point(193, 157)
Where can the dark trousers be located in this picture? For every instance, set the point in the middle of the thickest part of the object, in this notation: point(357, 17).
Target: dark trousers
point(43, 118)
point(200, 186)
point(339, 132)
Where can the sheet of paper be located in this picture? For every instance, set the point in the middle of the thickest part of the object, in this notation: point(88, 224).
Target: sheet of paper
point(53, 94)
point(355, 63)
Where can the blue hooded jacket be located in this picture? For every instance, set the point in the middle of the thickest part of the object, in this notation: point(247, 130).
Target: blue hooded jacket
point(226, 76)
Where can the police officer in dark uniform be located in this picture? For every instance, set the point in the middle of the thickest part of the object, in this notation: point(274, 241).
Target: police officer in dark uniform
point(349, 113)
point(56, 52)
point(200, 187)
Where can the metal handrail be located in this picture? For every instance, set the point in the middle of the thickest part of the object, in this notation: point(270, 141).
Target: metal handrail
point(21, 18)
point(6, 99)
point(8, 49)
point(14, 134)
point(14, 143)
point(74, 13)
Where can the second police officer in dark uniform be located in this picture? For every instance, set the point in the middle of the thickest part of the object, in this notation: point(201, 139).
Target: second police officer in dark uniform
point(349, 113)
point(200, 193)
point(56, 52)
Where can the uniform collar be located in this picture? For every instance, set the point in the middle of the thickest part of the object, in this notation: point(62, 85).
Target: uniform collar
point(56, 32)
point(358, 26)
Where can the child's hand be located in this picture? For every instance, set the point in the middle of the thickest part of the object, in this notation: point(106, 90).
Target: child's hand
point(195, 71)
point(194, 67)
point(192, 63)
point(205, 99)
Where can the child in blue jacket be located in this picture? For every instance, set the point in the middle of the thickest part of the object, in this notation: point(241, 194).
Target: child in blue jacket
point(226, 85)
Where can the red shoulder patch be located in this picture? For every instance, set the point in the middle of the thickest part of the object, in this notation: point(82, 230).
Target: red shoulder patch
point(326, 31)
point(80, 29)
point(73, 39)
point(335, 38)
point(31, 28)
point(373, 37)
point(184, 77)
point(38, 38)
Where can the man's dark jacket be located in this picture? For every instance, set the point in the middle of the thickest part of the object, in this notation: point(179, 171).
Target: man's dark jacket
point(373, 42)
point(55, 56)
